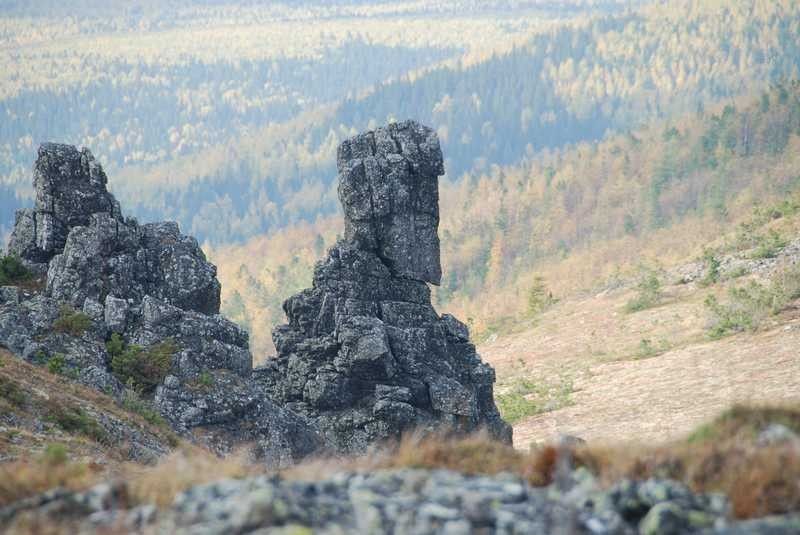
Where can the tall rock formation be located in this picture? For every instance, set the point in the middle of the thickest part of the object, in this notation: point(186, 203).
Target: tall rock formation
point(365, 356)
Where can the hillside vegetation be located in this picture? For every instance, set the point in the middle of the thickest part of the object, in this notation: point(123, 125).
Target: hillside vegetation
point(566, 84)
point(565, 221)
point(245, 133)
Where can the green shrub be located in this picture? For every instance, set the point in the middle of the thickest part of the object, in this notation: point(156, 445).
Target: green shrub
point(514, 406)
point(116, 345)
point(744, 311)
point(12, 271)
point(56, 364)
point(648, 293)
point(526, 397)
point(648, 349)
point(71, 321)
point(539, 297)
point(11, 392)
point(144, 368)
point(748, 306)
point(55, 454)
point(206, 380)
point(740, 271)
point(712, 263)
point(769, 246)
point(75, 420)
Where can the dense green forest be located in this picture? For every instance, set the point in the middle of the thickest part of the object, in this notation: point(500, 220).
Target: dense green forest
point(246, 133)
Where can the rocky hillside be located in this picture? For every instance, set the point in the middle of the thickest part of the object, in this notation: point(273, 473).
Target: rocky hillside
point(133, 310)
point(651, 354)
point(377, 415)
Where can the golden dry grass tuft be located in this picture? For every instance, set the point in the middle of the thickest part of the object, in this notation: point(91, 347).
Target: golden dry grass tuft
point(186, 467)
point(475, 454)
point(722, 456)
point(36, 474)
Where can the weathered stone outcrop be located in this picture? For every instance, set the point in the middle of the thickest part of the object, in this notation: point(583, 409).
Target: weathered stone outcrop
point(70, 187)
point(365, 356)
point(149, 284)
point(389, 189)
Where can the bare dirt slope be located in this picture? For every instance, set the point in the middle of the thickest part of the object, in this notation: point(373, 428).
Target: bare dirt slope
point(652, 375)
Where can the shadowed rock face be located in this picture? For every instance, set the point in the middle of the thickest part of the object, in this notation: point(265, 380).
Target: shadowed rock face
point(364, 355)
point(389, 190)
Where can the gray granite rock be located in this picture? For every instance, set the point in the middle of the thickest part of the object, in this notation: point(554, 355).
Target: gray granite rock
point(389, 189)
point(423, 502)
point(366, 331)
point(70, 187)
point(149, 284)
point(115, 314)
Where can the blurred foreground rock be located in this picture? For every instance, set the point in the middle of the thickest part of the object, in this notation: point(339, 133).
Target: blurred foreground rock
point(423, 502)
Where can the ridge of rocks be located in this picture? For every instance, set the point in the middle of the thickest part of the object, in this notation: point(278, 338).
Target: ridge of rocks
point(363, 358)
point(148, 284)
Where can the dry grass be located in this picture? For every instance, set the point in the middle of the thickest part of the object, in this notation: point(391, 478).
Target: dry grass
point(722, 456)
point(476, 454)
point(51, 434)
point(23, 478)
point(619, 396)
point(186, 467)
point(30, 393)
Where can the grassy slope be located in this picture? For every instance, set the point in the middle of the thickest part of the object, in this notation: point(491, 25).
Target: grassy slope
point(649, 376)
point(46, 418)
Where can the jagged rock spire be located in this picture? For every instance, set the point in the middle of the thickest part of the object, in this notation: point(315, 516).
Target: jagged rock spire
point(70, 186)
point(365, 356)
point(388, 187)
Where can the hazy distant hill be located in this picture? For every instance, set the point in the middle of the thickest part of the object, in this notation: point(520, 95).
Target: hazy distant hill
point(185, 128)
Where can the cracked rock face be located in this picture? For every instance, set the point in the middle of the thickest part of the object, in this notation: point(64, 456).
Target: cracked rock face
point(149, 284)
point(365, 356)
point(389, 189)
point(70, 186)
